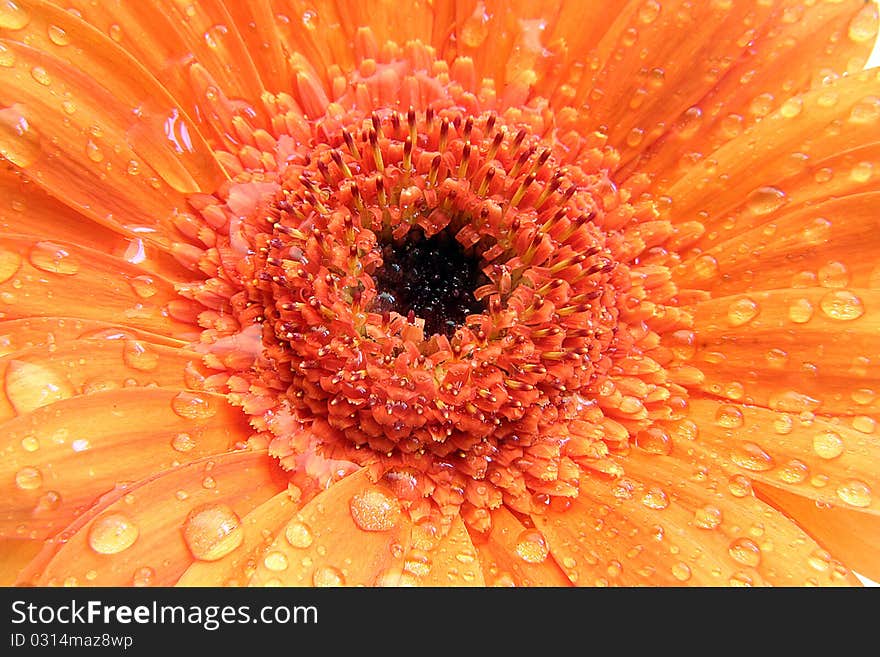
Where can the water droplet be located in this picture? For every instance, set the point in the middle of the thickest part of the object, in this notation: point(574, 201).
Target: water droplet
point(28, 478)
point(182, 442)
point(739, 486)
point(30, 386)
point(681, 571)
point(531, 546)
point(740, 579)
point(833, 274)
point(58, 36)
point(729, 417)
point(475, 27)
point(143, 286)
point(41, 75)
point(53, 258)
point(765, 200)
point(649, 12)
point(298, 534)
point(861, 172)
point(742, 311)
point(112, 533)
point(193, 406)
point(275, 561)
point(706, 267)
point(7, 57)
point(374, 510)
point(793, 472)
point(325, 576)
point(708, 517)
point(138, 355)
point(212, 531)
point(115, 32)
point(12, 17)
point(752, 457)
point(10, 262)
point(828, 444)
point(745, 551)
point(864, 423)
point(654, 440)
point(855, 493)
point(866, 111)
point(94, 152)
point(143, 576)
point(800, 311)
point(655, 498)
point(30, 443)
point(842, 305)
point(791, 107)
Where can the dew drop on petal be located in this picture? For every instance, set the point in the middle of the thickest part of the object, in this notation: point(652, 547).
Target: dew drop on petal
point(30, 386)
point(10, 262)
point(791, 107)
point(866, 111)
point(752, 457)
point(729, 417)
point(138, 355)
point(53, 258)
point(708, 517)
point(182, 442)
point(143, 576)
point(765, 200)
point(41, 75)
point(374, 510)
point(28, 478)
point(143, 286)
point(794, 472)
point(298, 534)
point(212, 531)
point(681, 571)
point(742, 311)
point(112, 533)
point(7, 57)
point(833, 274)
point(30, 443)
point(275, 561)
point(655, 498)
point(531, 546)
point(475, 27)
point(828, 444)
point(855, 493)
point(800, 311)
point(325, 576)
point(745, 551)
point(12, 16)
point(842, 305)
point(58, 35)
point(193, 406)
point(654, 440)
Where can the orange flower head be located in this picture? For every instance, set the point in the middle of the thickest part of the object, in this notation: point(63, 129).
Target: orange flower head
point(474, 293)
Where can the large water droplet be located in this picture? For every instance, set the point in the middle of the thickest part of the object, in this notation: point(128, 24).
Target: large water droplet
point(800, 311)
point(112, 533)
point(742, 311)
point(193, 406)
point(143, 286)
point(138, 355)
point(855, 493)
point(842, 305)
point(729, 416)
point(745, 551)
point(299, 534)
point(752, 457)
point(325, 576)
point(765, 200)
point(655, 498)
point(28, 478)
point(374, 510)
point(212, 531)
point(828, 444)
point(30, 386)
point(53, 258)
point(531, 546)
point(58, 35)
point(275, 561)
point(183, 442)
point(708, 517)
point(12, 16)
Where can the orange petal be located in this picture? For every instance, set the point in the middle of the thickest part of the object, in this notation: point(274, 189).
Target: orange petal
point(26, 209)
point(451, 561)
point(324, 545)
point(19, 334)
point(668, 522)
point(235, 568)
point(386, 21)
point(802, 349)
point(50, 278)
point(82, 366)
point(149, 532)
point(801, 45)
point(63, 456)
point(830, 243)
point(107, 162)
point(780, 161)
point(170, 39)
point(831, 460)
point(516, 554)
point(850, 535)
point(15, 554)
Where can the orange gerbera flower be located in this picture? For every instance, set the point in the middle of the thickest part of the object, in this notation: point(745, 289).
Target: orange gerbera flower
point(461, 293)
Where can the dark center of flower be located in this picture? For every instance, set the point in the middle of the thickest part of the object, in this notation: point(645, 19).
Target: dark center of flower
point(433, 278)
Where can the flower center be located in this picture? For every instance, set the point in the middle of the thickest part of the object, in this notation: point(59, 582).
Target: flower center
point(433, 278)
